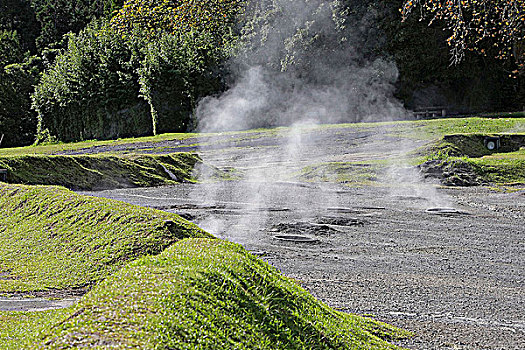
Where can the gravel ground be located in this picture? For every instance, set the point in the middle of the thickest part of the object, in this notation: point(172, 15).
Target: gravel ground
point(454, 276)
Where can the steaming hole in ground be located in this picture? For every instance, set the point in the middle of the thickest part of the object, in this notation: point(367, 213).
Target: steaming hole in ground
point(402, 251)
point(458, 275)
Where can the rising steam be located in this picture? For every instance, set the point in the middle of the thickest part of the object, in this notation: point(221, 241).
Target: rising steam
point(304, 62)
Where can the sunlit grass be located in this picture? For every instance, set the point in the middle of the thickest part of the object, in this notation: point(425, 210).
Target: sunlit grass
point(21, 330)
point(100, 171)
point(53, 238)
point(211, 294)
point(154, 286)
point(53, 148)
point(418, 129)
point(496, 167)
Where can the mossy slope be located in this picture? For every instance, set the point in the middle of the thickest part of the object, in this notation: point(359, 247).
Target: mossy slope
point(53, 238)
point(501, 168)
point(210, 294)
point(95, 172)
point(472, 146)
point(462, 159)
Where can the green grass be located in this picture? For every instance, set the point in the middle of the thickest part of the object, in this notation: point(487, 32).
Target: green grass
point(156, 282)
point(53, 238)
point(93, 172)
point(504, 115)
point(437, 128)
point(210, 294)
point(472, 145)
point(20, 330)
point(59, 147)
point(420, 129)
point(501, 167)
point(351, 173)
point(53, 148)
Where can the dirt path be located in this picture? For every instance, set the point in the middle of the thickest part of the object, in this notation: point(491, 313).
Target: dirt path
point(454, 277)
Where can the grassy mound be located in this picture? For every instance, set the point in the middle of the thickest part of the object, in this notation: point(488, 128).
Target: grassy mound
point(472, 145)
point(464, 160)
point(21, 330)
point(501, 168)
point(95, 172)
point(53, 238)
point(210, 294)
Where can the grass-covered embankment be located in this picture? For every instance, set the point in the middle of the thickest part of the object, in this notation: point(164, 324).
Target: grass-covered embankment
point(22, 330)
point(59, 147)
point(501, 168)
point(464, 159)
point(53, 238)
point(102, 171)
point(150, 288)
point(210, 294)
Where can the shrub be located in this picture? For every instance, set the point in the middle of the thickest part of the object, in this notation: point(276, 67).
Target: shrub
point(17, 121)
point(91, 91)
point(176, 71)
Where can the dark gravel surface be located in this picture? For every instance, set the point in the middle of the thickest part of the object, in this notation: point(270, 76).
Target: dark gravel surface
point(456, 278)
point(457, 281)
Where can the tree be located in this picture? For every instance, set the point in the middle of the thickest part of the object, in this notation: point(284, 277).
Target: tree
point(103, 83)
point(214, 17)
point(91, 90)
point(58, 17)
point(19, 16)
point(176, 72)
point(17, 120)
point(10, 50)
point(486, 26)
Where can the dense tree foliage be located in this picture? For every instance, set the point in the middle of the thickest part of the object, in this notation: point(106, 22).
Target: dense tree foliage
point(58, 17)
point(177, 70)
point(477, 83)
point(10, 49)
point(91, 90)
point(19, 16)
point(136, 67)
point(481, 25)
point(215, 17)
point(185, 43)
point(17, 121)
point(101, 86)
point(35, 27)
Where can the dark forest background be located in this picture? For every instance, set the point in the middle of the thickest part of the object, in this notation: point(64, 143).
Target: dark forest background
point(82, 69)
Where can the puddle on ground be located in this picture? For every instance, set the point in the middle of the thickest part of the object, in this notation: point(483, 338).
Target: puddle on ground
point(446, 211)
point(34, 304)
point(296, 238)
point(299, 228)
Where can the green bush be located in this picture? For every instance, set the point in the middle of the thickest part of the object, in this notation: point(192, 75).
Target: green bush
point(17, 120)
point(176, 71)
point(108, 85)
point(91, 91)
